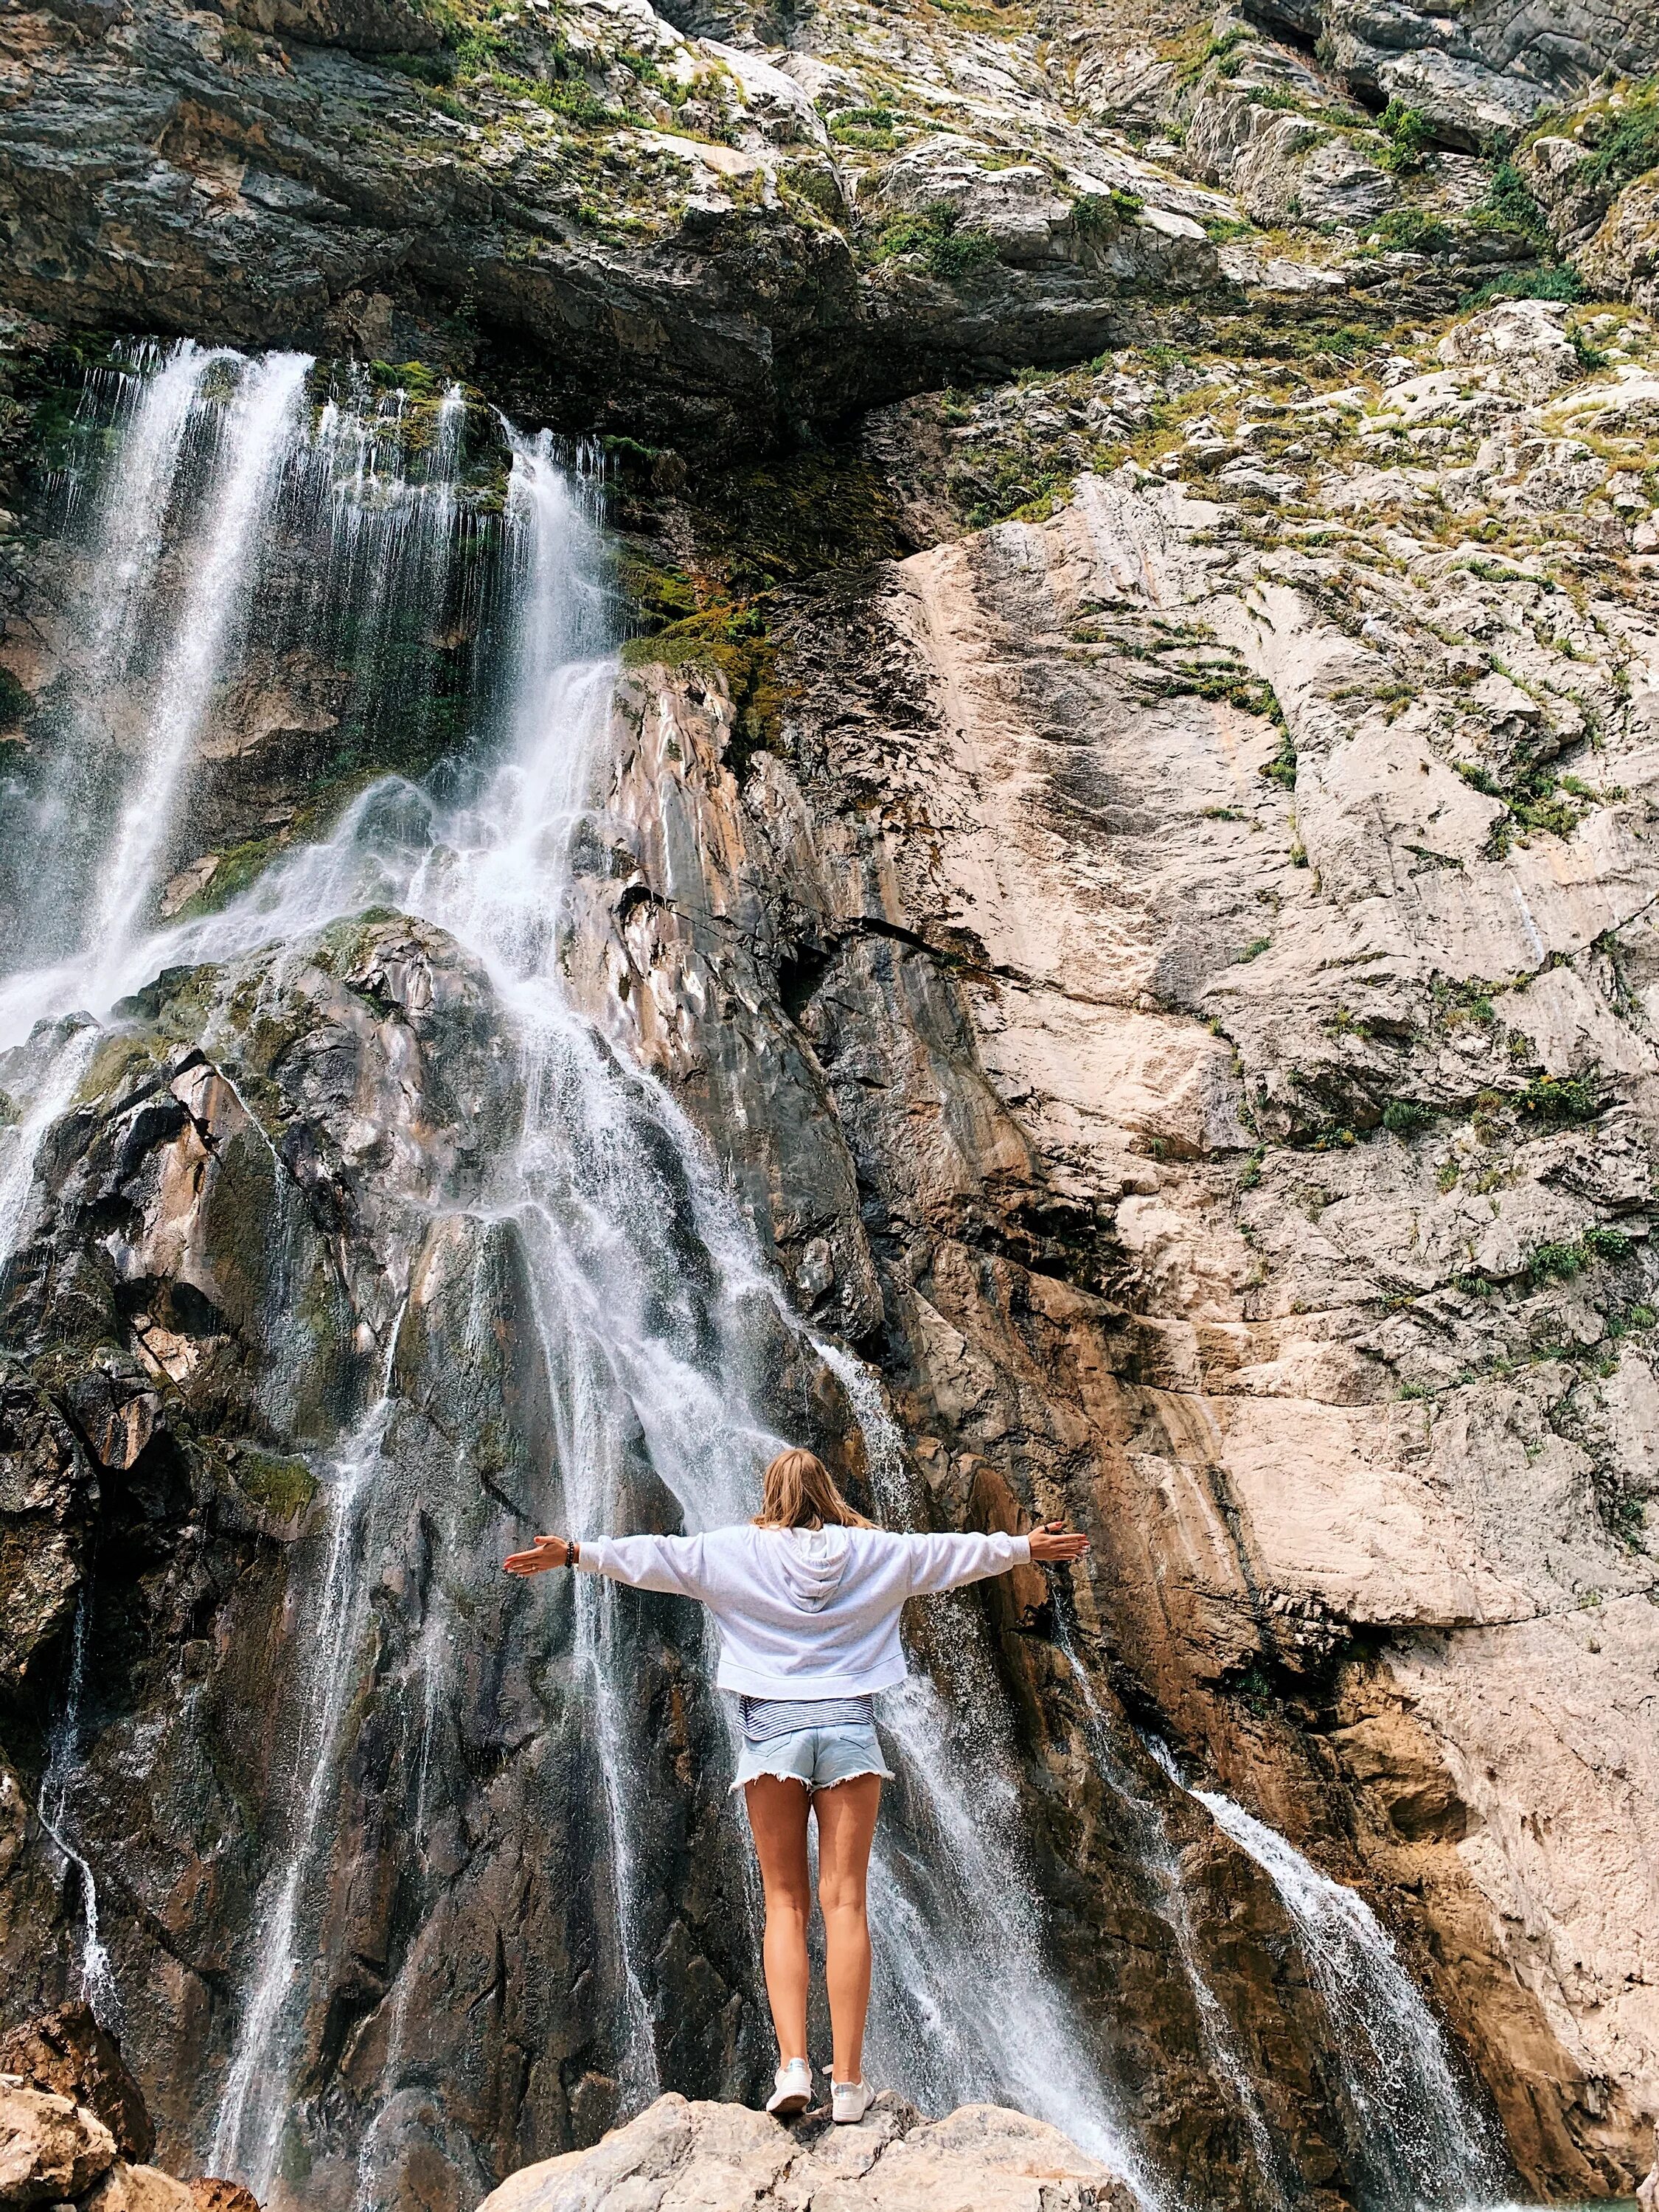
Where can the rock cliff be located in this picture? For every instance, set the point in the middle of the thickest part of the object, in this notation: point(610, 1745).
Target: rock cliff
point(1104, 964)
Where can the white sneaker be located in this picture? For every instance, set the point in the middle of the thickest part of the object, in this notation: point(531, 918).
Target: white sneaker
point(794, 2090)
point(849, 2101)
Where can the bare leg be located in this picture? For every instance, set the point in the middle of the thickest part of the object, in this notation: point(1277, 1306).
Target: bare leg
point(777, 1817)
point(847, 1822)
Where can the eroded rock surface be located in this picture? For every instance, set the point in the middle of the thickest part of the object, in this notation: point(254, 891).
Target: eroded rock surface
point(981, 2158)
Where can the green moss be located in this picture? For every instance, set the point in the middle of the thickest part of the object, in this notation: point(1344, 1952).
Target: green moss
point(1555, 281)
point(658, 595)
point(1510, 208)
point(1096, 212)
point(113, 1063)
point(1625, 141)
point(730, 643)
point(283, 1486)
point(1281, 769)
point(1535, 800)
point(239, 865)
point(1413, 230)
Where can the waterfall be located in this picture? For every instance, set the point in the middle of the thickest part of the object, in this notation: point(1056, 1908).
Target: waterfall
point(260, 425)
point(652, 1303)
point(1162, 1864)
point(1422, 2139)
point(51, 1808)
point(248, 2136)
point(63, 829)
point(1423, 2142)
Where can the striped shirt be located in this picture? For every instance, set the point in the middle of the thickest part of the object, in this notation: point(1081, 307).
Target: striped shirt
point(766, 1717)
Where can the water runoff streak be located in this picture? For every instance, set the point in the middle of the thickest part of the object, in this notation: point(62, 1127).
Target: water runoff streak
point(1422, 2139)
point(653, 1309)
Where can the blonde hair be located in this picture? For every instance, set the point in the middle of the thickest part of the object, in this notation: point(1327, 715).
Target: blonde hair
point(799, 1492)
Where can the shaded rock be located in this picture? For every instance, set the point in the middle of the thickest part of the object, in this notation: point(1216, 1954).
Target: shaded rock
point(726, 2158)
point(367, 27)
point(48, 1489)
point(67, 2052)
point(51, 2148)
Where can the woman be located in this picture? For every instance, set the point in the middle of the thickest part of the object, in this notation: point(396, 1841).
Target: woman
point(807, 1596)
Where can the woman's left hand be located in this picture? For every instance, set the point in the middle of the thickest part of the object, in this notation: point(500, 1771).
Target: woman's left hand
point(548, 1552)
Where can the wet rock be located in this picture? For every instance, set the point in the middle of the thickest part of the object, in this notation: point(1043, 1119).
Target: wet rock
point(51, 2148)
point(68, 2052)
point(48, 1493)
point(981, 2158)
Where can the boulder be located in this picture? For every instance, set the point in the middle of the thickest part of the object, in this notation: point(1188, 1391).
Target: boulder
point(67, 2052)
point(726, 2158)
point(139, 2189)
point(51, 2148)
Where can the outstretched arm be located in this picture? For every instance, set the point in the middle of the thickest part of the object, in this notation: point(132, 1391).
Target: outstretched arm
point(943, 1563)
point(654, 1563)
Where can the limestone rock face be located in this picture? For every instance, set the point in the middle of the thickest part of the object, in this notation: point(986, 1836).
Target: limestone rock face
point(1486, 69)
point(722, 2158)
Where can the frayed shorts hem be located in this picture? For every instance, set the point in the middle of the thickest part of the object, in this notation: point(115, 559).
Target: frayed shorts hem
point(819, 1759)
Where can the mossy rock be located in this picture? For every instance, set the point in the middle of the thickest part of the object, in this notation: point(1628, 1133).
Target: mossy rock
point(114, 1064)
point(281, 1485)
point(176, 1003)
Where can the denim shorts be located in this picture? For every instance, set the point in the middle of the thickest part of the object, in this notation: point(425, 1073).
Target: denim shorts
point(819, 1756)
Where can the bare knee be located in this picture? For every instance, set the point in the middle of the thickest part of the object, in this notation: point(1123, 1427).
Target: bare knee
point(841, 1900)
point(786, 1902)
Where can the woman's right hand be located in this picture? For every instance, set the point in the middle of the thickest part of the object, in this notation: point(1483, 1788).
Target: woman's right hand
point(1054, 1544)
point(547, 1552)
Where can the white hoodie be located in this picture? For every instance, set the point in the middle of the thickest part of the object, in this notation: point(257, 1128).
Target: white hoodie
point(805, 1613)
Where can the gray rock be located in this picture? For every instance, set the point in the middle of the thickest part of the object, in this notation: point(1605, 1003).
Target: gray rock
point(726, 2158)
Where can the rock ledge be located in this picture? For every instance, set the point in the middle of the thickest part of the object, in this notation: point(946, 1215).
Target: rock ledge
point(726, 2158)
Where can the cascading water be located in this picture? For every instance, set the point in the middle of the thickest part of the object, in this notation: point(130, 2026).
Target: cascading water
point(52, 1804)
point(654, 1313)
point(1423, 2141)
point(1162, 1862)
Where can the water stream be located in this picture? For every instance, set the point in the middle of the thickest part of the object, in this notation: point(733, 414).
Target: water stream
point(64, 1749)
point(1424, 2140)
